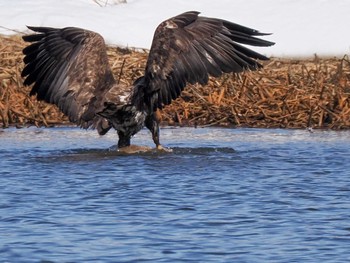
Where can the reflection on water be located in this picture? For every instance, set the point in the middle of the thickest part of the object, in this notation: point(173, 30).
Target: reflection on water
point(222, 195)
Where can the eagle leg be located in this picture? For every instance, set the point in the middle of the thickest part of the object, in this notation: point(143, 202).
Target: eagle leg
point(124, 140)
point(152, 124)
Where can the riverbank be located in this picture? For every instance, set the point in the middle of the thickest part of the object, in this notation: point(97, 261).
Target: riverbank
point(286, 93)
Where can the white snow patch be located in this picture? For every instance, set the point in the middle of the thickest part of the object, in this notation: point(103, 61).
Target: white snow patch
point(299, 27)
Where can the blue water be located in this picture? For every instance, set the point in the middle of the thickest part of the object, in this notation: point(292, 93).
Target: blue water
point(222, 195)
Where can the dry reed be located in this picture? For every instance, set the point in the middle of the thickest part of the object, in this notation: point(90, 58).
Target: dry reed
point(287, 93)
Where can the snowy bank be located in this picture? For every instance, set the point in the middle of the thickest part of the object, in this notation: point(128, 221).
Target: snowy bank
point(300, 28)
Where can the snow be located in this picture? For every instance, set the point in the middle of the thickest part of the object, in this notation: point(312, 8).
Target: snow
point(300, 28)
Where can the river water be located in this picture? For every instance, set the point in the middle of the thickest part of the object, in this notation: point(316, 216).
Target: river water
point(222, 195)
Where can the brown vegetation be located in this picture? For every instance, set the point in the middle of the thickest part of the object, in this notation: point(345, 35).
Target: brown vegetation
point(287, 93)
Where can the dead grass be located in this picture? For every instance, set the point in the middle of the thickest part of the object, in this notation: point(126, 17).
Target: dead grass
point(287, 93)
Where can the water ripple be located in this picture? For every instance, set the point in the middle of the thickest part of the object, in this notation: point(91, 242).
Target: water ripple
point(222, 195)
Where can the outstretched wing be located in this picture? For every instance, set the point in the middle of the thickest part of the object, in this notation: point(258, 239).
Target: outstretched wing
point(69, 68)
point(189, 48)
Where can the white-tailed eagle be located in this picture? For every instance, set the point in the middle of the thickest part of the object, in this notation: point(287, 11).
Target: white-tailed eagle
point(69, 67)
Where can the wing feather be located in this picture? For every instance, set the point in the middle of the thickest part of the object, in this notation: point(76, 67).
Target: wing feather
point(69, 67)
point(188, 48)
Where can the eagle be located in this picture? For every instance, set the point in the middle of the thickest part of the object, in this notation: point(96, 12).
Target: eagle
point(69, 67)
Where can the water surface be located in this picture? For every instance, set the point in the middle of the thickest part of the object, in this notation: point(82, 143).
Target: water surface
point(222, 195)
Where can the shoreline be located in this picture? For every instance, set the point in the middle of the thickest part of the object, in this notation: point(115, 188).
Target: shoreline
point(286, 93)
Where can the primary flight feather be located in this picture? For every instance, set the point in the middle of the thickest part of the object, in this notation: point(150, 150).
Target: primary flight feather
point(69, 67)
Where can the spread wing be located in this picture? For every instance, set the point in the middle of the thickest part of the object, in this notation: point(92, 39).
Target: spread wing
point(69, 68)
point(188, 48)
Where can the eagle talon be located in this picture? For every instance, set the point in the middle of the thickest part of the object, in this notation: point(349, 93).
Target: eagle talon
point(163, 149)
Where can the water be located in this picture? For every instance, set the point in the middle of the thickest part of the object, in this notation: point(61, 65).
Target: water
point(223, 195)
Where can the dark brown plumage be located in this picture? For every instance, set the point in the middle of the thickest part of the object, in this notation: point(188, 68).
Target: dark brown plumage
point(69, 67)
